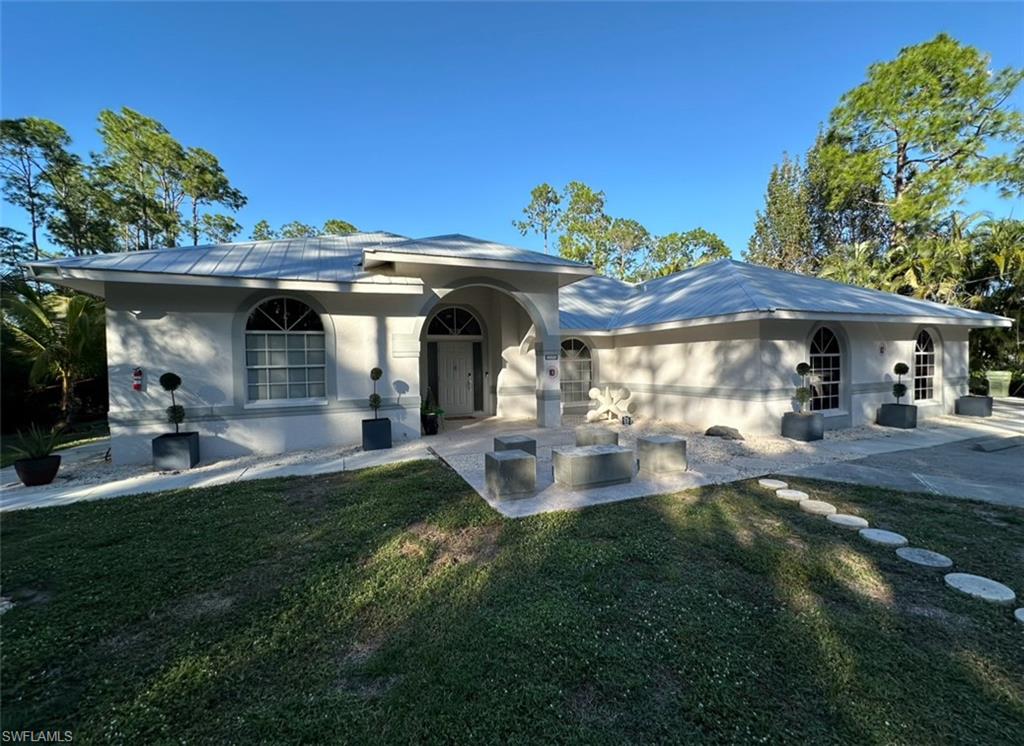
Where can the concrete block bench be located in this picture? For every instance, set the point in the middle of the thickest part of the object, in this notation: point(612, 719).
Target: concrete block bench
point(588, 435)
point(510, 473)
point(592, 466)
point(515, 443)
point(661, 454)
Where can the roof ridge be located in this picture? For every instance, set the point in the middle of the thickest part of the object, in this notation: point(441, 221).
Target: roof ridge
point(759, 302)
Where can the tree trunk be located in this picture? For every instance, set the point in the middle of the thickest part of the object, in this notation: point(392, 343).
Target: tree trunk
point(195, 222)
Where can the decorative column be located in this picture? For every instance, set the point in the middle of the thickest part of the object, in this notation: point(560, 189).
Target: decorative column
point(549, 381)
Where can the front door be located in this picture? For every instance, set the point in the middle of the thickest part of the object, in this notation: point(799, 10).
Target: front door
point(455, 377)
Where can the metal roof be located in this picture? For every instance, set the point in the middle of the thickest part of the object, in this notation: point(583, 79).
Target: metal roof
point(459, 246)
point(728, 288)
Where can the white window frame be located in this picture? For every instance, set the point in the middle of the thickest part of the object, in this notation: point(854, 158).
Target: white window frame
point(266, 360)
point(925, 367)
point(584, 383)
point(827, 372)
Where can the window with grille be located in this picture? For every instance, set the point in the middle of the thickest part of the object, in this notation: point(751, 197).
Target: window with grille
point(924, 367)
point(284, 352)
point(826, 366)
point(576, 371)
point(454, 322)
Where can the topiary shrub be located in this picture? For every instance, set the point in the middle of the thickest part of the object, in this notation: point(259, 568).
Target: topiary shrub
point(803, 393)
point(175, 413)
point(899, 389)
point(375, 400)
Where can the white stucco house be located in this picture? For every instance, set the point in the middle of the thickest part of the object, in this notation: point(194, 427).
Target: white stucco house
point(274, 340)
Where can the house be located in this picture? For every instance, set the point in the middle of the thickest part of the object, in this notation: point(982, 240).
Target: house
point(275, 339)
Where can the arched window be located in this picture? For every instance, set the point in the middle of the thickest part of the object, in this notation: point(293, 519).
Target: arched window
point(826, 366)
point(454, 322)
point(284, 351)
point(924, 367)
point(576, 371)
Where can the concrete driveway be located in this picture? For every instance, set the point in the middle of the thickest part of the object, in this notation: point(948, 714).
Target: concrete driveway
point(966, 468)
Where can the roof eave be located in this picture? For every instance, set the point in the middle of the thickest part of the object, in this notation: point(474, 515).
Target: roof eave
point(70, 277)
point(378, 258)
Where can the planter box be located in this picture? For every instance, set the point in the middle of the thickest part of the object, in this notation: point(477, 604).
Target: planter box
point(430, 423)
point(998, 382)
point(592, 466)
point(36, 471)
point(897, 415)
point(376, 434)
point(805, 426)
point(175, 451)
point(974, 406)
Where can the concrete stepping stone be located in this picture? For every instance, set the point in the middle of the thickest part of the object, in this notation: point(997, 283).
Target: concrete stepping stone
point(883, 538)
point(981, 588)
point(849, 522)
point(772, 484)
point(1019, 615)
point(924, 557)
point(817, 507)
point(794, 496)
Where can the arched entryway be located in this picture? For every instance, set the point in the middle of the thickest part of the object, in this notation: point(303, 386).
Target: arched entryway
point(454, 342)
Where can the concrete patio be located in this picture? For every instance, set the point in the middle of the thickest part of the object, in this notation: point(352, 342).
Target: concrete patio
point(843, 456)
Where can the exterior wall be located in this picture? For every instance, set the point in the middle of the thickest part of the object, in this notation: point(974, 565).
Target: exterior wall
point(198, 333)
point(742, 374)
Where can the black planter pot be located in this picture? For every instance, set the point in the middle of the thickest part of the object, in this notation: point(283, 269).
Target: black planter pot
point(376, 434)
point(805, 426)
point(974, 406)
point(430, 423)
point(175, 451)
point(897, 415)
point(35, 471)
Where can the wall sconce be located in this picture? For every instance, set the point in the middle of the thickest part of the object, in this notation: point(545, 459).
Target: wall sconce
point(881, 349)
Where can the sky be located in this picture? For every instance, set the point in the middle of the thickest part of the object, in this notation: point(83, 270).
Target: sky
point(425, 119)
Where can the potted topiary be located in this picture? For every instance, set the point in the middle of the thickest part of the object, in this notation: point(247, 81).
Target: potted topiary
point(175, 451)
point(898, 415)
point(376, 432)
point(38, 464)
point(801, 424)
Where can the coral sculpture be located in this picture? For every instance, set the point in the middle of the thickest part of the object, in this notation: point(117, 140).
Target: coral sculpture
point(610, 405)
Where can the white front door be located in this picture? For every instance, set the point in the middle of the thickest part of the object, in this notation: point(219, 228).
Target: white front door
point(455, 377)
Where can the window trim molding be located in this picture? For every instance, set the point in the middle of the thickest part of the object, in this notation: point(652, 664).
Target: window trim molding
point(844, 363)
point(937, 377)
point(593, 368)
point(240, 395)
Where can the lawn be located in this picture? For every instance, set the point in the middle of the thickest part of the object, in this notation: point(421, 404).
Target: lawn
point(393, 605)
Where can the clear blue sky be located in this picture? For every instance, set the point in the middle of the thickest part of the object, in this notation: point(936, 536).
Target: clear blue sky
point(425, 119)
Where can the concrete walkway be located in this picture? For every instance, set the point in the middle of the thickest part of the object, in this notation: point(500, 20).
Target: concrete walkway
point(464, 443)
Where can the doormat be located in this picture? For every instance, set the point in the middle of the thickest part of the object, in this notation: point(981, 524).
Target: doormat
point(460, 417)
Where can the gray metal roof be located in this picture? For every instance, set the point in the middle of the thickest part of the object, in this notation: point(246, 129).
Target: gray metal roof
point(323, 259)
point(729, 288)
point(459, 246)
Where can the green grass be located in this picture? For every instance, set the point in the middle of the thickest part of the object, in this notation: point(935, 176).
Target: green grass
point(392, 605)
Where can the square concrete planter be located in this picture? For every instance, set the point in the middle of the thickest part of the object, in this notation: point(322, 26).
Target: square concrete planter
point(805, 426)
point(515, 443)
point(592, 466)
point(998, 382)
point(376, 434)
point(510, 473)
point(903, 416)
point(661, 454)
point(175, 451)
point(974, 406)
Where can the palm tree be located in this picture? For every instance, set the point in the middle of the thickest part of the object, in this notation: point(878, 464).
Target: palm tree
point(62, 336)
point(856, 264)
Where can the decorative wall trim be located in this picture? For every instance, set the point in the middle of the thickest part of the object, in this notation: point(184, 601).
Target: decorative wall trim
point(712, 392)
point(207, 414)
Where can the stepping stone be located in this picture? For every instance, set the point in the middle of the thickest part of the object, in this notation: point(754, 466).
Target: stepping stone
point(1019, 615)
point(849, 522)
point(772, 484)
point(792, 495)
point(981, 588)
point(924, 557)
point(817, 507)
point(884, 538)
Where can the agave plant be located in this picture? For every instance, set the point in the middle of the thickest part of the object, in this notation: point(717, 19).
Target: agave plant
point(36, 442)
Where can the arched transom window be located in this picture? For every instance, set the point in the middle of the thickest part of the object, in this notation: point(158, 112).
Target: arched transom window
point(284, 351)
point(826, 367)
point(454, 322)
point(924, 367)
point(576, 371)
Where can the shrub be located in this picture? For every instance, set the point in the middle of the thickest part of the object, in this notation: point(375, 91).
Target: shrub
point(803, 393)
point(36, 442)
point(375, 400)
point(899, 389)
point(175, 413)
